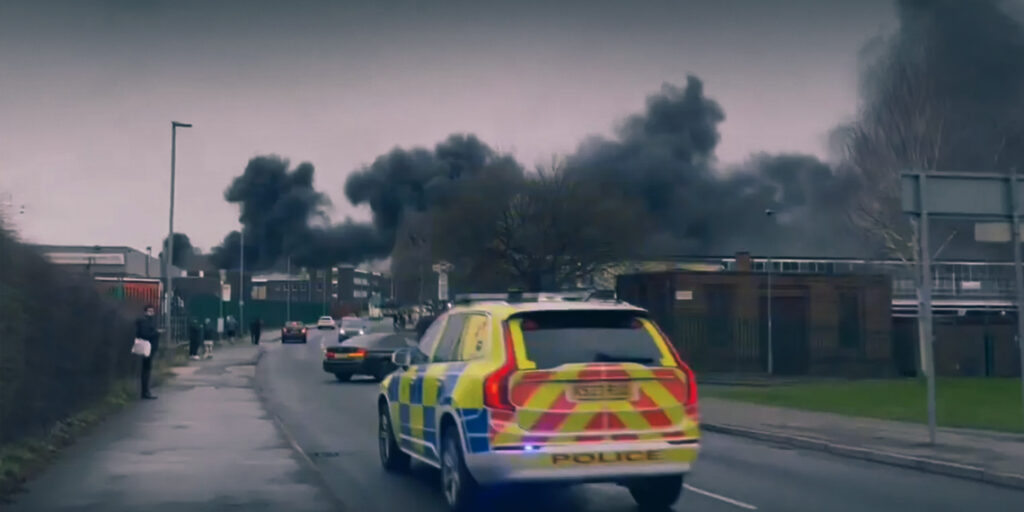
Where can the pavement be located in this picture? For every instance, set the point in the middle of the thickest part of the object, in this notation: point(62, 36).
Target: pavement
point(205, 444)
point(303, 441)
point(976, 454)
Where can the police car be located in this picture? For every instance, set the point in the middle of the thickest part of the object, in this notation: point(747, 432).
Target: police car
point(548, 390)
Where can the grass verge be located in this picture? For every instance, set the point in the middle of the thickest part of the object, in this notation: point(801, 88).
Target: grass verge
point(990, 404)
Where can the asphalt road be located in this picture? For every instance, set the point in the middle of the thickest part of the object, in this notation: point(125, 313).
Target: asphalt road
point(335, 425)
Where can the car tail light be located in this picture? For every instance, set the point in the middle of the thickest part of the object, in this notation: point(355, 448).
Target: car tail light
point(359, 353)
point(496, 392)
point(303, 330)
point(691, 379)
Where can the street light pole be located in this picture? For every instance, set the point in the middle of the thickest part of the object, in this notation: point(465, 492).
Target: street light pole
point(771, 355)
point(241, 280)
point(288, 301)
point(170, 231)
point(149, 256)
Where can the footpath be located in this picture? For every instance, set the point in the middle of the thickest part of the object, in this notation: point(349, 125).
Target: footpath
point(987, 456)
point(205, 444)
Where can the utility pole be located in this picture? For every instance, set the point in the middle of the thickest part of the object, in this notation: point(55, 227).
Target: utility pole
point(149, 256)
point(288, 302)
point(771, 347)
point(241, 279)
point(325, 292)
point(169, 259)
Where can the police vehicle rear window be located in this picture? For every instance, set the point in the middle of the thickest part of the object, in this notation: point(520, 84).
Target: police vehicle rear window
point(554, 338)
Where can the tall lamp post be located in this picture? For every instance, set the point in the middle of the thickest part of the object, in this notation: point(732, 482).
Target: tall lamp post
point(771, 356)
point(241, 279)
point(170, 230)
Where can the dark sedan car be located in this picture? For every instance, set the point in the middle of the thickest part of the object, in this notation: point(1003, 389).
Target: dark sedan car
point(369, 354)
point(293, 331)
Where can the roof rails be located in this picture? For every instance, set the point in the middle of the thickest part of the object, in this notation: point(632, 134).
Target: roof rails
point(517, 296)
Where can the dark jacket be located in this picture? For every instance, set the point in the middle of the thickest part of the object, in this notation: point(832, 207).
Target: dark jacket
point(423, 325)
point(146, 328)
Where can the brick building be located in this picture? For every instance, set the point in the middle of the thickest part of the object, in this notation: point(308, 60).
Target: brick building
point(821, 324)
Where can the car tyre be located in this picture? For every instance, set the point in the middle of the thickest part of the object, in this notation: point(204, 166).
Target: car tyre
point(458, 486)
point(343, 377)
point(392, 458)
point(657, 493)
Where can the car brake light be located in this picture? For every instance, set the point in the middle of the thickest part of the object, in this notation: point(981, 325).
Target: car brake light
point(496, 392)
point(691, 379)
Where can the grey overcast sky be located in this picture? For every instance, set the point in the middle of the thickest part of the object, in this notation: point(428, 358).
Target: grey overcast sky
point(88, 90)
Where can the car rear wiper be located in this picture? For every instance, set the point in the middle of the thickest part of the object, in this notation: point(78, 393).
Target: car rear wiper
point(602, 357)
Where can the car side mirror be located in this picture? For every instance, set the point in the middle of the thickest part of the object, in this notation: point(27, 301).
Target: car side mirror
point(402, 357)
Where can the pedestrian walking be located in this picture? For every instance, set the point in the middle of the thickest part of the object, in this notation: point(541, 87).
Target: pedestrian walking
point(211, 335)
point(254, 330)
point(146, 328)
point(195, 337)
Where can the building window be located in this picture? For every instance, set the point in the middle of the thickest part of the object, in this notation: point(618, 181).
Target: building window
point(790, 266)
point(849, 320)
point(720, 314)
point(359, 294)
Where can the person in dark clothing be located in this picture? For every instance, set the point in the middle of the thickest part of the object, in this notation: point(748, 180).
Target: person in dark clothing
point(146, 328)
point(423, 325)
point(254, 330)
point(195, 338)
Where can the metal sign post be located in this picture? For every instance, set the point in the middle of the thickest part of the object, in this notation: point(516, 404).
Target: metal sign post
point(972, 196)
point(1018, 272)
point(442, 269)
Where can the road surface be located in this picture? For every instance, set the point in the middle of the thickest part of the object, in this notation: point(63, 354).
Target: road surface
point(335, 425)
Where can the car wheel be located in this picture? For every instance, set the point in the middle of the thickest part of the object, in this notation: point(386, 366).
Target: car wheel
point(392, 458)
point(459, 487)
point(657, 493)
point(343, 377)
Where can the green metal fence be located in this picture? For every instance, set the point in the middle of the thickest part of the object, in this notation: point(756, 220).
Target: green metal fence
point(271, 313)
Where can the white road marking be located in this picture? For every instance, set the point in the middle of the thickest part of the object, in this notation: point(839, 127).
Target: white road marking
point(719, 497)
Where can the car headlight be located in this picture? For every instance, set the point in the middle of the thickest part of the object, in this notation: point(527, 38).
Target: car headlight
point(361, 332)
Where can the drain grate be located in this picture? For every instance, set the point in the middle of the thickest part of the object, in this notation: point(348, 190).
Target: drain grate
point(323, 455)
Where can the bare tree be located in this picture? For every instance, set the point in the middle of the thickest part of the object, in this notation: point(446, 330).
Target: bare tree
point(558, 230)
point(902, 128)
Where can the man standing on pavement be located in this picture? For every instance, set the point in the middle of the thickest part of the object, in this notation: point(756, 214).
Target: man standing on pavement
point(195, 337)
point(254, 329)
point(145, 328)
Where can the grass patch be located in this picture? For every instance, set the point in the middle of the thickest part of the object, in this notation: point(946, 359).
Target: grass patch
point(991, 404)
point(21, 460)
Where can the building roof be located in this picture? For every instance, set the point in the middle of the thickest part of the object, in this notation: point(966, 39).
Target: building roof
point(85, 248)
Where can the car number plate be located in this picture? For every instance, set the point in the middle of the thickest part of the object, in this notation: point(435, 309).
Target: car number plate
point(602, 391)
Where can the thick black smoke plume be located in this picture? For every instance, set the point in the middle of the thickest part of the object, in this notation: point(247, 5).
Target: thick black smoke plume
point(281, 211)
point(665, 156)
point(417, 179)
point(944, 93)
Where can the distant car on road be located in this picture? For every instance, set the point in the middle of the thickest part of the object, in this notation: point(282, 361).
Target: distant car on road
point(293, 331)
point(351, 326)
point(325, 322)
point(369, 354)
